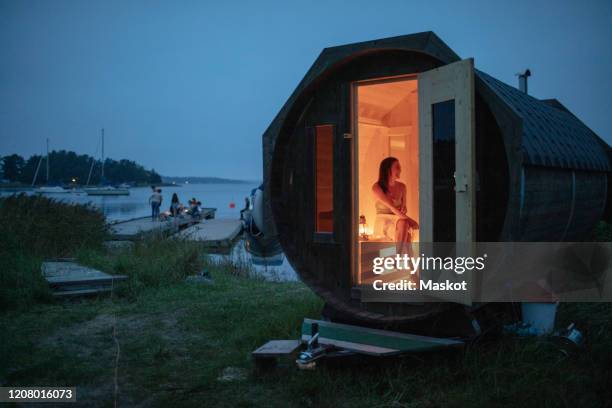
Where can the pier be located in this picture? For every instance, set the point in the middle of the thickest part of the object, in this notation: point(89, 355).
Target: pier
point(215, 234)
point(136, 228)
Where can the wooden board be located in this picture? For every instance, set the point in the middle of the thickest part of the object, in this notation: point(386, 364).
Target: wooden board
point(277, 348)
point(61, 273)
point(372, 341)
point(71, 279)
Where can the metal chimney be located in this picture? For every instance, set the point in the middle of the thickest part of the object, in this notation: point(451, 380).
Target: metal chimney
point(523, 80)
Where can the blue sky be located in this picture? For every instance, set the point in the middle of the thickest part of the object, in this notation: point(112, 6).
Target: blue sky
point(188, 87)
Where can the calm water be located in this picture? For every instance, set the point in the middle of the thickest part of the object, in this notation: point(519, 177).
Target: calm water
point(136, 204)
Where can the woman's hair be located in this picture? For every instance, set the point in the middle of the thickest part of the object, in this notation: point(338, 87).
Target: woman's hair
point(384, 172)
point(175, 198)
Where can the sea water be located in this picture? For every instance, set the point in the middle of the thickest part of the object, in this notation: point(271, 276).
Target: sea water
point(136, 204)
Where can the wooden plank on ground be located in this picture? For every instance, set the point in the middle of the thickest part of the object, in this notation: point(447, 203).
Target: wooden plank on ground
point(60, 272)
point(373, 341)
point(277, 348)
point(70, 278)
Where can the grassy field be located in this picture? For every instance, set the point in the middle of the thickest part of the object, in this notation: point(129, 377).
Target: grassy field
point(189, 344)
point(161, 341)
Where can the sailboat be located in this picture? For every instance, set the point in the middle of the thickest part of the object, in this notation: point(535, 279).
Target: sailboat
point(47, 189)
point(104, 190)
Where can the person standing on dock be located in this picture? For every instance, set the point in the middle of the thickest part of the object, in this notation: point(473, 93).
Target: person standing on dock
point(155, 200)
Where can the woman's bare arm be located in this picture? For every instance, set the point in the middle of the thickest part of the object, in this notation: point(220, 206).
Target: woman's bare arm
point(380, 194)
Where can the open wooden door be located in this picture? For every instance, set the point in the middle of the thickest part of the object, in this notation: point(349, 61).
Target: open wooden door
point(447, 166)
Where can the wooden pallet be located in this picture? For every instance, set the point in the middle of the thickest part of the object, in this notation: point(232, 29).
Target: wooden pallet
point(67, 278)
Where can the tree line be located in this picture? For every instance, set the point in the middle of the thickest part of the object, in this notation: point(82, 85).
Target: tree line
point(67, 167)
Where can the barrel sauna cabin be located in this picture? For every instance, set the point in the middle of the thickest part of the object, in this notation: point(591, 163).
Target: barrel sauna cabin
point(482, 161)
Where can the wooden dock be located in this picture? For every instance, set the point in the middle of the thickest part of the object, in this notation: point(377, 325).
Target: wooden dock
point(215, 234)
point(136, 228)
point(71, 279)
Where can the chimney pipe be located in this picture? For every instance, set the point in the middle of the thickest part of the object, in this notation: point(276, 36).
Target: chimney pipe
point(523, 80)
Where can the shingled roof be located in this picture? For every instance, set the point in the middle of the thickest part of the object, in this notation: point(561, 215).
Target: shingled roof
point(552, 136)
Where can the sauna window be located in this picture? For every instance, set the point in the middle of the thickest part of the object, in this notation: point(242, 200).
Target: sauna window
point(443, 121)
point(324, 180)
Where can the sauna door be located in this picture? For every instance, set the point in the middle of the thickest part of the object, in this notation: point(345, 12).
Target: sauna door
point(447, 153)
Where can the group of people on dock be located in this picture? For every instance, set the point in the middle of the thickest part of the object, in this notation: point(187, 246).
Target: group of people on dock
point(194, 208)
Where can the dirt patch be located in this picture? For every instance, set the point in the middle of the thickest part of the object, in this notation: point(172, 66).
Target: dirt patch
point(92, 343)
point(101, 328)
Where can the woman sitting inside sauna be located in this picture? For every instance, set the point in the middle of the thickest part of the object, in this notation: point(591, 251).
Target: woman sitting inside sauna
point(390, 196)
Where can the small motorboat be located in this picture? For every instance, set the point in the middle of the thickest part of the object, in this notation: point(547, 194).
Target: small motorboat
point(264, 250)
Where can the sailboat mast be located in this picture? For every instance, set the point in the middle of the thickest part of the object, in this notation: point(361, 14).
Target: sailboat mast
point(36, 172)
point(102, 180)
point(48, 167)
point(93, 161)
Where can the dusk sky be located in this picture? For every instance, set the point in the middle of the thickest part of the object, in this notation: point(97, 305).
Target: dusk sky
point(188, 87)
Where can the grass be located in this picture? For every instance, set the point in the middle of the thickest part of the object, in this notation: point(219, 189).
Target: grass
point(150, 263)
point(43, 227)
point(33, 228)
point(188, 344)
point(178, 340)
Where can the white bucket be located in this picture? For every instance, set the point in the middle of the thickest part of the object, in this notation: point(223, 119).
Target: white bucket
point(540, 316)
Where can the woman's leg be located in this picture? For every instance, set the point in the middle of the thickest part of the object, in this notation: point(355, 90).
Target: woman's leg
point(403, 238)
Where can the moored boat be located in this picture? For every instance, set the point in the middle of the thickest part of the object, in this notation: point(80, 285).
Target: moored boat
point(51, 190)
point(107, 191)
point(265, 250)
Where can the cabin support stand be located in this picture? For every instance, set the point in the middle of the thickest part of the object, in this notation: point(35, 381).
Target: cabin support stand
point(326, 339)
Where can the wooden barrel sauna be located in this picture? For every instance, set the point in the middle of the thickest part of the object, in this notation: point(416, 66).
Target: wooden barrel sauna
point(542, 175)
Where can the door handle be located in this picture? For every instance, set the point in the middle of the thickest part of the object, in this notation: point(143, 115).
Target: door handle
point(462, 185)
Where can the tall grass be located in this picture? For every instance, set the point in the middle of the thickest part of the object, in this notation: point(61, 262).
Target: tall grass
point(43, 227)
point(152, 262)
point(34, 228)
